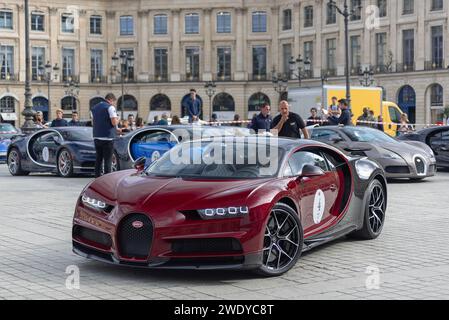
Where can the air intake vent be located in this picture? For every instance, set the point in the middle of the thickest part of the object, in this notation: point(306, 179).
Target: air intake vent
point(397, 169)
point(420, 165)
point(135, 233)
point(93, 236)
point(219, 245)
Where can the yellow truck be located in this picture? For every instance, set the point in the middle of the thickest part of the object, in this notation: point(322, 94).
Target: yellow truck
point(302, 100)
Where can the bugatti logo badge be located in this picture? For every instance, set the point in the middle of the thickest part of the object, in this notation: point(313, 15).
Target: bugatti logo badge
point(155, 156)
point(137, 224)
point(318, 206)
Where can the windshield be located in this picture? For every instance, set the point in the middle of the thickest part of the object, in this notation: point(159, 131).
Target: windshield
point(359, 134)
point(80, 134)
point(219, 160)
point(7, 128)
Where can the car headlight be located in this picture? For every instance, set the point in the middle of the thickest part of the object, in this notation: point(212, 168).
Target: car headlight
point(365, 168)
point(96, 204)
point(220, 213)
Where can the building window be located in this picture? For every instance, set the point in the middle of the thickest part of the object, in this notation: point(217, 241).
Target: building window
point(355, 53)
point(331, 50)
point(259, 62)
point(331, 15)
point(192, 21)
point(382, 5)
point(193, 63)
point(161, 64)
point(224, 63)
point(437, 47)
point(223, 102)
point(160, 24)
point(223, 22)
point(95, 25)
point(67, 23)
point(259, 21)
point(381, 50)
point(408, 37)
point(5, 19)
point(308, 16)
point(96, 65)
point(37, 61)
point(436, 95)
point(308, 52)
point(408, 7)
point(8, 105)
point(68, 63)
point(286, 56)
point(436, 5)
point(287, 19)
point(37, 22)
point(356, 6)
point(129, 71)
point(6, 62)
point(126, 25)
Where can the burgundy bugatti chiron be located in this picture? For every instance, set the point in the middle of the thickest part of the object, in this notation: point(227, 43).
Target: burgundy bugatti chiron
point(242, 213)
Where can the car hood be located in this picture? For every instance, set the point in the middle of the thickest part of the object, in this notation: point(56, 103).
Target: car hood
point(404, 149)
point(138, 191)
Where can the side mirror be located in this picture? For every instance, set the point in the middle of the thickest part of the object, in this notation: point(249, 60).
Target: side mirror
point(336, 139)
point(139, 164)
point(309, 171)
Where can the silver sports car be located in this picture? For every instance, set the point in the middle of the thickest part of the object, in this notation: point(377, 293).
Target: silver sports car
point(400, 159)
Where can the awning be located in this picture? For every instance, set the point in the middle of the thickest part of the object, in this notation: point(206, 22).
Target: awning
point(8, 116)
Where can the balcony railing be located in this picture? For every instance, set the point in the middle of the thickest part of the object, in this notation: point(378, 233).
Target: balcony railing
point(190, 78)
point(381, 68)
point(98, 79)
point(434, 65)
point(117, 79)
point(158, 78)
point(9, 77)
point(405, 67)
point(70, 77)
point(258, 77)
point(218, 77)
point(330, 72)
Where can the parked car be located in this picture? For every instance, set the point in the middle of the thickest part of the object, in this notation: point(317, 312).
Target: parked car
point(232, 213)
point(400, 159)
point(66, 151)
point(7, 132)
point(436, 138)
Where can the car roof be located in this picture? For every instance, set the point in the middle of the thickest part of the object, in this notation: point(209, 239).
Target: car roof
point(432, 129)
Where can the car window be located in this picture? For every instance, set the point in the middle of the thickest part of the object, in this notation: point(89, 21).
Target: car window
point(159, 136)
point(6, 127)
point(48, 137)
point(299, 159)
point(445, 136)
point(395, 115)
point(435, 138)
point(325, 135)
point(364, 134)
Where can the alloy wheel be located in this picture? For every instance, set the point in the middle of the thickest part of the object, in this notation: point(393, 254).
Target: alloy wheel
point(376, 213)
point(13, 162)
point(64, 163)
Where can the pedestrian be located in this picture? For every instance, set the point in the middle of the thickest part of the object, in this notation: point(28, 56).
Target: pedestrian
point(105, 121)
point(75, 120)
point(236, 121)
point(59, 121)
point(262, 122)
point(365, 120)
point(345, 117)
point(333, 108)
point(192, 106)
point(164, 120)
point(380, 123)
point(175, 120)
point(124, 127)
point(131, 122)
point(39, 120)
point(314, 119)
point(214, 120)
point(139, 123)
point(404, 125)
point(155, 120)
point(289, 124)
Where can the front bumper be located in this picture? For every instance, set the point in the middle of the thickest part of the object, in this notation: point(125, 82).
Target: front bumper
point(417, 168)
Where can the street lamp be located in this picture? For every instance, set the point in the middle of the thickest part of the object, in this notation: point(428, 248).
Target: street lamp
point(126, 63)
point(210, 86)
point(72, 90)
point(324, 79)
point(299, 68)
point(366, 77)
point(280, 83)
point(45, 72)
point(346, 13)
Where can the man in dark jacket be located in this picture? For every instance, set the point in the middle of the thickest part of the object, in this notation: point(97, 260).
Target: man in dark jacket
point(193, 106)
point(59, 121)
point(262, 122)
point(345, 118)
point(105, 121)
point(75, 120)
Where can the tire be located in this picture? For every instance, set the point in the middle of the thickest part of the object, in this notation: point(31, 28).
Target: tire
point(374, 216)
point(64, 164)
point(14, 163)
point(283, 231)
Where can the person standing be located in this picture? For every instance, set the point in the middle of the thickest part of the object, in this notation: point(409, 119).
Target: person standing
point(345, 118)
point(314, 119)
point(105, 121)
point(163, 121)
point(75, 120)
point(334, 105)
point(365, 120)
point(39, 120)
point(262, 121)
point(193, 106)
point(59, 121)
point(131, 122)
point(289, 124)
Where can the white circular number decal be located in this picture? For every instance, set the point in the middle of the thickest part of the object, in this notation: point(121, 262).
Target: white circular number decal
point(155, 155)
point(319, 205)
point(45, 154)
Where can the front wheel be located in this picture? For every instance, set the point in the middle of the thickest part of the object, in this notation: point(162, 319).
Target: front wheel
point(374, 215)
point(283, 241)
point(65, 164)
point(14, 162)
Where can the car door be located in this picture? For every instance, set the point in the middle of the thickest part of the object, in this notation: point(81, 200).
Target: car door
point(317, 194)
point(439, 142)
point(153, 145)
point(43, 147)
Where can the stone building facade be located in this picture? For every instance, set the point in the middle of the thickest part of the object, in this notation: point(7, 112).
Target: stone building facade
point(181, 44)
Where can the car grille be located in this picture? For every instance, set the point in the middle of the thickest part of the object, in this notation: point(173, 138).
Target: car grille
point(420, 165)
point(135, 242)
point(397, 169)
point(97, 237)
point(218, 245)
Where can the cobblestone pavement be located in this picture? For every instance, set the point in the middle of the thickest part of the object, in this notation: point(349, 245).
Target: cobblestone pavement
point(412, 255)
